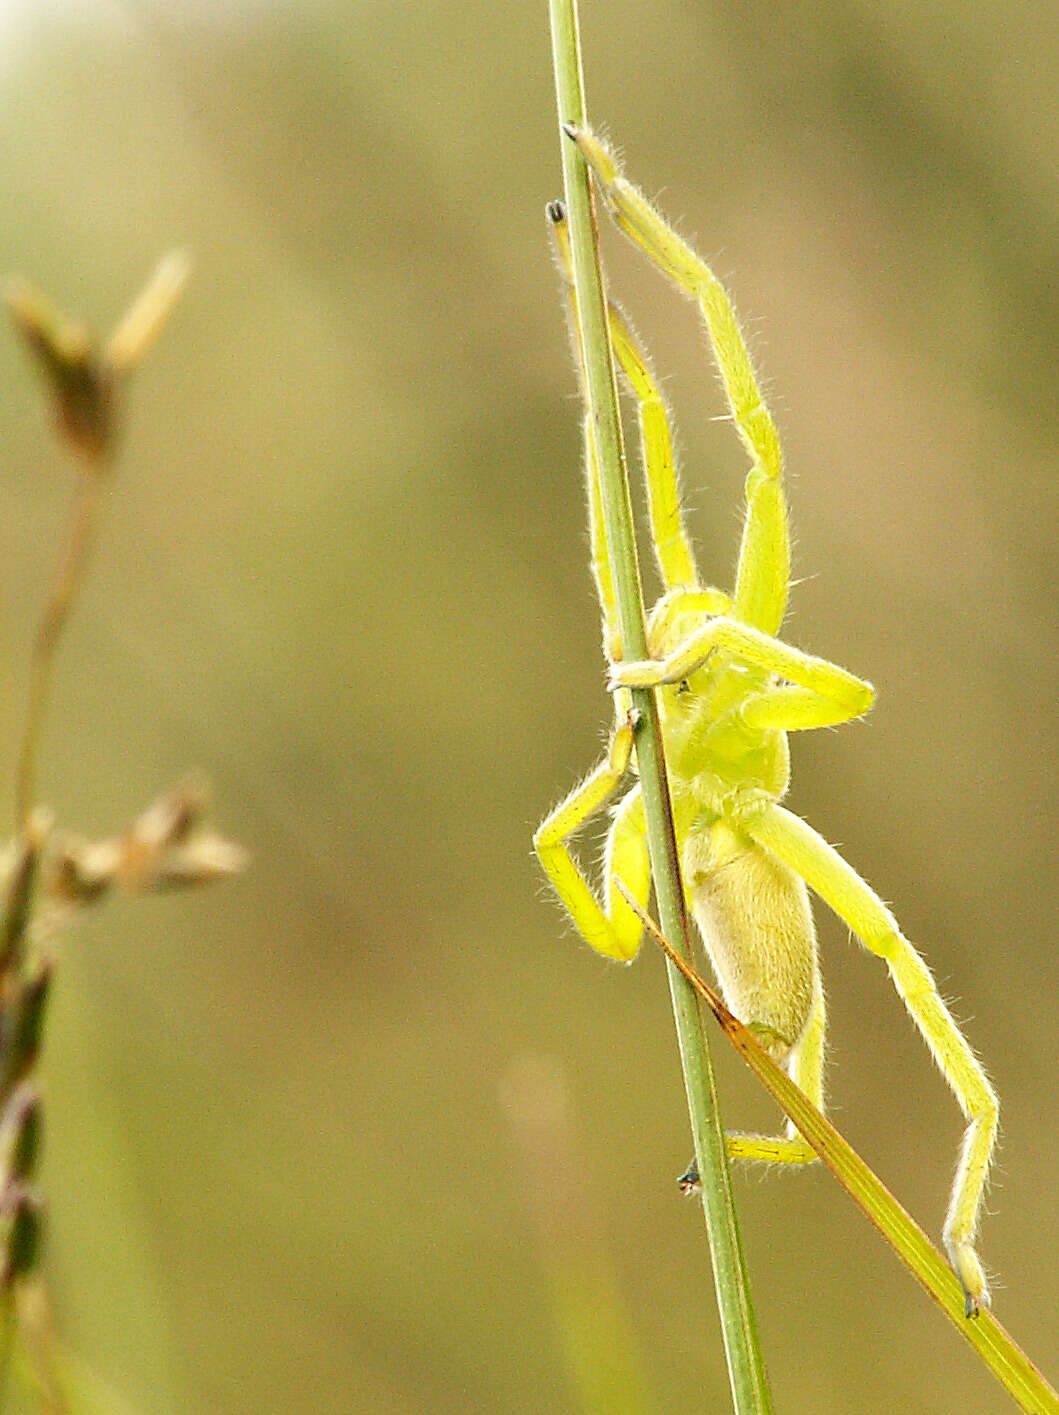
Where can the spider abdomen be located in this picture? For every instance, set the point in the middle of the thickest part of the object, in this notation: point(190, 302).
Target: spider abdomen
point(754, 916)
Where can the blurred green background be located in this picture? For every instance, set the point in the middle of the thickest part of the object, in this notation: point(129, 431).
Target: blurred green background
point(343, 568)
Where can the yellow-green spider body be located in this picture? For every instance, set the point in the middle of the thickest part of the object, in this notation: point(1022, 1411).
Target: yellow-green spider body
point(729, 691)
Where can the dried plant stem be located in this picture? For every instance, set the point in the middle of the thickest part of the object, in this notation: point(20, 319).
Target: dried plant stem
point(168, 846)
point(745, 1364)
point(69, 573)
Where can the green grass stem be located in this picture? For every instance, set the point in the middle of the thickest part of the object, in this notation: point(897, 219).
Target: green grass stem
point(745, 1364)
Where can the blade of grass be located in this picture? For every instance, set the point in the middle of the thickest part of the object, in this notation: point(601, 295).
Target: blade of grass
point(594, 1322)
point(68, 576)
point(745, 1364)
point(1000, 1353)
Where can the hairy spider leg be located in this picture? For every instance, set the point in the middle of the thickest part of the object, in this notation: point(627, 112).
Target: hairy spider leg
point(612, 928)
point(669, 537)
point(818, 693)
point(763, 574)
point(599, 551)
point(805, 1066)
point(843, 890)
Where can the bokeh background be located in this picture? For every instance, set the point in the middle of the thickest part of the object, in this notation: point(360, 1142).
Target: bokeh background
point(332, 1138)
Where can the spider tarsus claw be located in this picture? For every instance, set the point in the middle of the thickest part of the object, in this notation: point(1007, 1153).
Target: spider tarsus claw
point(689, 1181)
point(971, 1278)
point(556, 212)
point(974, 1302)
point(571, 131)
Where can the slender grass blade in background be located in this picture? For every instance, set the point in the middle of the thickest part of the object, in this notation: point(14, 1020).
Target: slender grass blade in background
point(593, 1320)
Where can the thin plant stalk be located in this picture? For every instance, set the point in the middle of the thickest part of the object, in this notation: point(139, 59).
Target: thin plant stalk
point(68, 577)
point(84, 382)
point(593, 1321)
point(745, 1364)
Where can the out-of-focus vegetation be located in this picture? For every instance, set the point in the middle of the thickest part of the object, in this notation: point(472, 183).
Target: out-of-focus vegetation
point(343, 565)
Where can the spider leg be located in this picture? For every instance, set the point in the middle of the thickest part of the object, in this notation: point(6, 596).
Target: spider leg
point(763, 575)
point(806, 1069)
point(792, 708)
point(839, 885)
point(610, 927)
point(597, 535)
point(669, 535)
point(805, 1066)
point(822, 693)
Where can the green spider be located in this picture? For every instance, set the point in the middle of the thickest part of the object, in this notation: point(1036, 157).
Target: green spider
point(729, 691)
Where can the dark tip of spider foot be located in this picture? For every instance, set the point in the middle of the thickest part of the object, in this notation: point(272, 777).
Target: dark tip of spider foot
point(556, 212)
point(971, 1308)
point(571, 130)
point(689, 1181)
